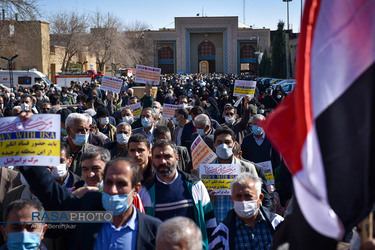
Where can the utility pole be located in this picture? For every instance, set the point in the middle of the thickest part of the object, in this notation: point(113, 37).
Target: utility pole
point(287, 40)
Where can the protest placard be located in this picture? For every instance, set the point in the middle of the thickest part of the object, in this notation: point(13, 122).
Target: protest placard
point(111, 84)
point(35, 142)
point(268, 172)
point(168, 110)
point(218, 176)
point(201, 152)
point(244, 88)
point(136, 109)
point(147, 75)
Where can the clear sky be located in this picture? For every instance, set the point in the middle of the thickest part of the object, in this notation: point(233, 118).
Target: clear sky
point(159, 14)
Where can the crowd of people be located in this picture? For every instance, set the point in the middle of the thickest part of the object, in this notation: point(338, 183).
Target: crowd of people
point(141, 169)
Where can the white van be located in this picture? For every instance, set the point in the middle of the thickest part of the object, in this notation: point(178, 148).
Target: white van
point(23, 78)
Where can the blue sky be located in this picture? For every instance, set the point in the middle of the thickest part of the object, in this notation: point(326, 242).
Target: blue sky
point(159, 14)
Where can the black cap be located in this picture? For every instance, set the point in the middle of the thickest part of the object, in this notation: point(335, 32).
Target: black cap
point(102, 111)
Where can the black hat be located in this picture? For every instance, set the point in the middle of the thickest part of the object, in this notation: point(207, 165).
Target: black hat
point(64, 114)
point(102, 111)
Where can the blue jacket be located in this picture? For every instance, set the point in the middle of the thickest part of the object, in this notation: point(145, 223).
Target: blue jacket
point(55, 197)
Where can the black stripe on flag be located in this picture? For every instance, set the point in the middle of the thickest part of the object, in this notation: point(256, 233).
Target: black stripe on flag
point(346, 136)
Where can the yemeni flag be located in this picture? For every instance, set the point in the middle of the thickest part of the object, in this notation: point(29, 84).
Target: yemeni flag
point(325, 128)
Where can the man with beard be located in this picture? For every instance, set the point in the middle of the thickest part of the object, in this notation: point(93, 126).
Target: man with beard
point(170, 193)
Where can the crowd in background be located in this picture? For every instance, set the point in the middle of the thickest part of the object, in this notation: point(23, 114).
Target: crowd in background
point(98, 127)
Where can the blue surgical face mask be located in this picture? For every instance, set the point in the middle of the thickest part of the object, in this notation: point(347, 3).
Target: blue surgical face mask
point(223, 151)
point(23, 240)
point(256, 130)
point(190, 118)
point(146, 123)
point(175, 121)
point(201, 132)
point(81, 139)
point(117, 203)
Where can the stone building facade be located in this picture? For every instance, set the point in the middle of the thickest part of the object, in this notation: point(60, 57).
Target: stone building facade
point(208, 45)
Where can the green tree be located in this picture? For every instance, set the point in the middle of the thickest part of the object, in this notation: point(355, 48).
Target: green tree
point(265, 65)
point(278, 68)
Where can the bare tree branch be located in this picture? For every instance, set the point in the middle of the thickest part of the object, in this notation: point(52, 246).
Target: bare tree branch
point(26, 9)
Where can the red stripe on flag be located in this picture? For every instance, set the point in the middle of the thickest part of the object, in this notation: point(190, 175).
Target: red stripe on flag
point(289, 125)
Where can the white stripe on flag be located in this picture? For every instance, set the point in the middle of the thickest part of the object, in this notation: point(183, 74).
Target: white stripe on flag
point(310, 190)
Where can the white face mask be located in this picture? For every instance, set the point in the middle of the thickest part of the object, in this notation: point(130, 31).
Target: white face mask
point(128, 119)
point(104, 121)
point(230, 120)
point(245, 209)
point(122, 138)
point(59, 171)
point(25, 107)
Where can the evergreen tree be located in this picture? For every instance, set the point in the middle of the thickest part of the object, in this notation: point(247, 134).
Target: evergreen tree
point(265, 65)
point(278, 68)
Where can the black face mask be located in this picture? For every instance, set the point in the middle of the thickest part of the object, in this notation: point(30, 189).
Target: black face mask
point(130, 94)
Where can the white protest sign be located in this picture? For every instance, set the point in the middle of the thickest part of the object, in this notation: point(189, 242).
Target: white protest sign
point(111, 84)
point(147, 75)
point(218, 176)
point(34, 142)
point(244, 88)
point(169, 109)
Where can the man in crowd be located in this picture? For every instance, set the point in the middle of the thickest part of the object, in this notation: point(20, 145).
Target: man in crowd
point(46, 107)
point(62, 173)
point(203, 125)
point(27, 103)
point(77, 127)
point(170, 193)
point(256, 147)
point(148, 119)
point(104, 126)
point(184, 159)
point(238, 125)
point(93, 163)
point(139, 150)
point(180, 119)
point(160, 121)
point(119, 147)
point(127, 116)
point(249, 225)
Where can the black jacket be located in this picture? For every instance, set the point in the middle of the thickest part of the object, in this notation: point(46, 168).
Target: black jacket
point(54, 197)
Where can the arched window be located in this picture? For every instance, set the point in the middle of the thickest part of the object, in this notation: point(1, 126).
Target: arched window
point(165, 53)
point(206, 48)
point(247, 51)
